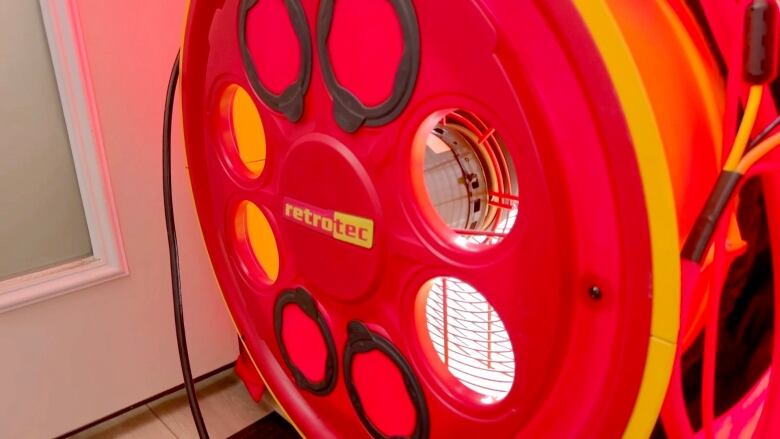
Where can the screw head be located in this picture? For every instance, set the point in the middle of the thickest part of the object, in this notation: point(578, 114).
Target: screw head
point(595, 292)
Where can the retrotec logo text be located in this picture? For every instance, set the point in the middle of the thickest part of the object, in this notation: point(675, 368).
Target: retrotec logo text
point(340, 226)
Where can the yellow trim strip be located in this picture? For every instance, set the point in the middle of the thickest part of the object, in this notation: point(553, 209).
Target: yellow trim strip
point(661, 211)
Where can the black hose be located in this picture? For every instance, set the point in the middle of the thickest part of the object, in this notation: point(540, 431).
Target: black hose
point(173, 250)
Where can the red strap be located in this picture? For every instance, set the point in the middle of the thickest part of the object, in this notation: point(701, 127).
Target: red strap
point(245, 370)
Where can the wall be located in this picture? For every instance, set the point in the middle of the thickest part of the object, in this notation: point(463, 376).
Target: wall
point(67, 361)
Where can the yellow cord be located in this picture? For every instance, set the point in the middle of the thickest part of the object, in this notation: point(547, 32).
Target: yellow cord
point(745, 128)
point(757, 153)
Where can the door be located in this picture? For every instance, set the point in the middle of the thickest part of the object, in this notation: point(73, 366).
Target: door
point(92, 332)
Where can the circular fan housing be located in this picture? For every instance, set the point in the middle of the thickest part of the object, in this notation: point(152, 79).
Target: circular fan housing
point(435, 232)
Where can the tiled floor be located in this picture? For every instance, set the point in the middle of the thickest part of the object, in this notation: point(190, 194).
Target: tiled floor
point(226, 406)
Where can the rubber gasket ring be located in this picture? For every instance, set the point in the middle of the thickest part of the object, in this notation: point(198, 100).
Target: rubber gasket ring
point(290, 102)
point(348, 111)
point(362, 340)
point(301, 298)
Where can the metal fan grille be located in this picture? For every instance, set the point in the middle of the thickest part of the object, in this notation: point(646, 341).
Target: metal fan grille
point(470, 179)
point(470, 338)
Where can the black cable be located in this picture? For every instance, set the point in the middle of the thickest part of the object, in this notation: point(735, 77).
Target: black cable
point(698, 240)
point(765, 133)
point(173, 250)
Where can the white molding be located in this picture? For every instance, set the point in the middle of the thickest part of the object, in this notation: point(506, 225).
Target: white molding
point(63, 30)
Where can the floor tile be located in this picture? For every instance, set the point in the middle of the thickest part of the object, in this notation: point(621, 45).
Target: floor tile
point(226, 406)
point(140, 423)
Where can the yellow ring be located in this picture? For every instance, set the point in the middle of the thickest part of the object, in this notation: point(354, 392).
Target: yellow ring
point(661, 212)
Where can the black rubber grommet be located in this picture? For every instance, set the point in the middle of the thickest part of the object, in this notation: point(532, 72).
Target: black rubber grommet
point(348, 111)
point(302, 299)
point(290, 102)
point(698, 241)
point(362, 340)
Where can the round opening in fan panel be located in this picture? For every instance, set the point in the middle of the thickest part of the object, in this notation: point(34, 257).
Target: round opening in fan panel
point(470, 179)
point(242, 131)
point(468, 337)
point(257, 247)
